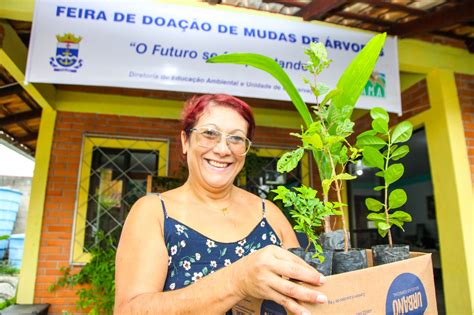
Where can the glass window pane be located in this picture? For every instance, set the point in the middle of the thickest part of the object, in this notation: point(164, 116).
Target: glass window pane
point(117, 180)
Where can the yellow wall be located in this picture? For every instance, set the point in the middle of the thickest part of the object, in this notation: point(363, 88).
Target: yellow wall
point(452, 191)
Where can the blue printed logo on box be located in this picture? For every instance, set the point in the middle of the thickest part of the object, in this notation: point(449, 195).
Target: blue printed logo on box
point(406, 295)
point(271, 308)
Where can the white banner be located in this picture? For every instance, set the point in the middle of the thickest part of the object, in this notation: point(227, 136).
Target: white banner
point(144, 44)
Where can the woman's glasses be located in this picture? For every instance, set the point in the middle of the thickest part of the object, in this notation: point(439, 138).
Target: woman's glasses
point(209, 137)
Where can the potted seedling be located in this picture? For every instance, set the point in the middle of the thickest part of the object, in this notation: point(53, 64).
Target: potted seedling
point(381, 148)
point(308, 213)
point(325, 134)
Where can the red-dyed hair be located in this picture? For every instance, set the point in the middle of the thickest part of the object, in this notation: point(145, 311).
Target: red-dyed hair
point(195, 106)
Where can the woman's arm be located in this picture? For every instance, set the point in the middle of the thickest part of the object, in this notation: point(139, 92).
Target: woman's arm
point(142, 262)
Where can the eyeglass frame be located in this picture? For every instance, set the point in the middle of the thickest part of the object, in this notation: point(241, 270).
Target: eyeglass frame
point(226, 135)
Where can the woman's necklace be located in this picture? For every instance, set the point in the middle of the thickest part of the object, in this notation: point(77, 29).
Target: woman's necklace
point(223, 210)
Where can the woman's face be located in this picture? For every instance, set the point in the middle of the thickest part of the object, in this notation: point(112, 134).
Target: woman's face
point(215, 167)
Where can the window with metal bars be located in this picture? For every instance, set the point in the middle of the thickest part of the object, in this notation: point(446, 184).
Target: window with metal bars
point(113, 176)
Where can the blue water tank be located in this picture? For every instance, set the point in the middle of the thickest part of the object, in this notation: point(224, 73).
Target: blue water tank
point(9, 205)
point(15, 250)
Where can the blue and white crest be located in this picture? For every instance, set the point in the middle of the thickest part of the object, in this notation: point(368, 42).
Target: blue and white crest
point(67, 53)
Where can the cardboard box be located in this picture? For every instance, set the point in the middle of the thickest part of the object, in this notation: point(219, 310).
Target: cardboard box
point(404, 287)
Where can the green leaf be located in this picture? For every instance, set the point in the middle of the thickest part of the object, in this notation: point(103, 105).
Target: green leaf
point(355, 77)
point(334, 139)
point(379, 188)
point(306, 192)
point(376, 217)
point(281, 192)
point(393, 173)
point(383, 226)
point(312, 141)
point(339, 204)
point(379, 174)
point(355, 153)
point(345, 176)
point(373, 204)
point(367, 133)
point(318, 58)
point(289, 160)
point(330, 95)
point(397, 223)
point(273, 68)
point(380, 125)
point(322, 88)
point(326, 183)
point(345, 128)
point(373, 158)
point(402, 132)
point(369, 140)
point(319, 51)
point(324, 164)
point(379, 112)
point(343, 157)
point(401, 216)
point(397, 198)
point(382, 232)
point(400, 152)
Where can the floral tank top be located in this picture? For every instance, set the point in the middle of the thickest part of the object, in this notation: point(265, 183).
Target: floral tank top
point(192, 255)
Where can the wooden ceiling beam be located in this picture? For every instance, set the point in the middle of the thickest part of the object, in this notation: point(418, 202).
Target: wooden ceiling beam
point(20, 117)
point(393, 6)
point(29, 137)
point(452, 35)
point(288, 3)
point(365, 18)
point(470, 45)
point(10, 89)
point(435, 21)
point(318, 8)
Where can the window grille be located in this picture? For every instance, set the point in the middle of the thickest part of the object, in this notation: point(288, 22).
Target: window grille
point(113, 176)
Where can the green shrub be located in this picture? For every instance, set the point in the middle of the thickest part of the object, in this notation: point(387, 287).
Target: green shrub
point(98, 276)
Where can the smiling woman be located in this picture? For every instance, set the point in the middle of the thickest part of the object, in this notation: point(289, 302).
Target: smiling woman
point(208, 244)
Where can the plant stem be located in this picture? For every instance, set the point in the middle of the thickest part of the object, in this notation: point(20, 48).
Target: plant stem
point(309, 243)
point(339, 199)
point(327, 220)
point(386, 208)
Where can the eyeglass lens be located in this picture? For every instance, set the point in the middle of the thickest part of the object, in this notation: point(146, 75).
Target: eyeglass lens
point(209, 137)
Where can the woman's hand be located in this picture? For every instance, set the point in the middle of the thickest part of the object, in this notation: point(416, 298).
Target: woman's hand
point(264, 274)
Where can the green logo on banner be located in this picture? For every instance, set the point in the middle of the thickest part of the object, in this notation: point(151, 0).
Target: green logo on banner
point(375, 86)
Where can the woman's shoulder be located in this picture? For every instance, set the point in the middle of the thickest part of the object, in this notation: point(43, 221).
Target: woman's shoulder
point(147, 210)
point(173, 195)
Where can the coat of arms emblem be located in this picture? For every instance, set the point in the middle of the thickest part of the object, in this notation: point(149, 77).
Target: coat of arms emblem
point(67, 53)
